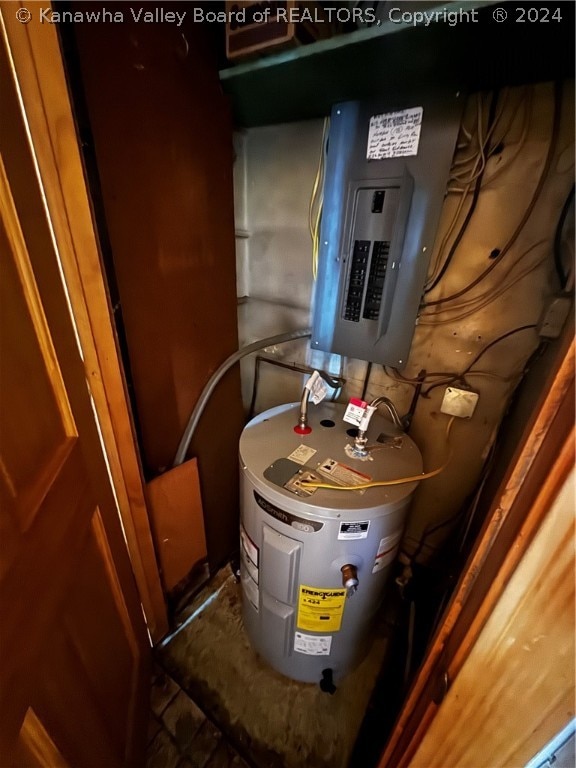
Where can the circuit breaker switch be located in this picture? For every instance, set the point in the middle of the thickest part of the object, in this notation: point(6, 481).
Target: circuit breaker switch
point(459, 402)
point(378, 201)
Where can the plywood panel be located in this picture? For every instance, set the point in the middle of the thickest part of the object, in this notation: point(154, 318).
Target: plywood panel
point(176, 508)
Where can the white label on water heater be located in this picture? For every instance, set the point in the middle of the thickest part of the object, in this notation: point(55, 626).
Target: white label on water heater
point(386, 551)
point(354, 530)
point(355, 411)
point(250, 548)
point(302, 454)
point(341, 474)
point(312, 645)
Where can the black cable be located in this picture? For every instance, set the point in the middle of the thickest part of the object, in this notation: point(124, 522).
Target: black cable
point(254, 387)
point(471, 209)
point(366, 380)
point(496, 341)
point(562, 276)
point(480, 354)
point(334, 382)
point(527, 213)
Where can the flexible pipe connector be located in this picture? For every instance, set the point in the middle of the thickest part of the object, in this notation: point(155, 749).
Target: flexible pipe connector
point(302, 427)
point(218, 374)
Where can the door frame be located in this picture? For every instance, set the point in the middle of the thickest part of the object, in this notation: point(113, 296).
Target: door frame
point(38, 70)
point(535, 476)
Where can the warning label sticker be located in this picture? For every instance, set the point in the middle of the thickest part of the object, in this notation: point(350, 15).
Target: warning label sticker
point(320, 609)
point(313, 645)
point(354, 530)
point(250, 548)
point(386, 551)
point(355, 411)
point(341, 474)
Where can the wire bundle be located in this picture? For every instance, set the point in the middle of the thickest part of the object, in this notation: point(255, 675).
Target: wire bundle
point(317, 199)
point(432, 309)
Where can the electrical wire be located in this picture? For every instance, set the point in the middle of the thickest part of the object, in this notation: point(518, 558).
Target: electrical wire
point(528, 102)
point(383, 483)
point(317, 200)
point(366, 380)
point(562, 276)
point(414, 382)
point(450, 229)
point(214, 380)
point(482, 352)
point(334, 382)
point(477, 303)
point(528, 211)
point(477, 177)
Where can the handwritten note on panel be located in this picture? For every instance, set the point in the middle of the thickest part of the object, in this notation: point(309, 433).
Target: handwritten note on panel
point(394, 134)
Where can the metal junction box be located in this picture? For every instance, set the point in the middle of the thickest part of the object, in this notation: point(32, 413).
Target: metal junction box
point(386, 172)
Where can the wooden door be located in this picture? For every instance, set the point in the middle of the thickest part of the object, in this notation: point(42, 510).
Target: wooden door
point(482, 616)
point(74, 655)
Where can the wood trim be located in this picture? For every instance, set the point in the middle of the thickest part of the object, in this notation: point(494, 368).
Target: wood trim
point(37, 747)
point(38, 67)
point(517, 684)
point(527, 492)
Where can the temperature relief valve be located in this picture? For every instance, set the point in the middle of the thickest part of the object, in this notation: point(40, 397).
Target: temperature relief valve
point(350, 579)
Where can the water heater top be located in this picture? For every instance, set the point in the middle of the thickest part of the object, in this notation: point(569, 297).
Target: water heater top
point(271, 453)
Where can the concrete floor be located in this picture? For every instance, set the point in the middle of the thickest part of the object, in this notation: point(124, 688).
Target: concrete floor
point(218, 701)
point(180, 735)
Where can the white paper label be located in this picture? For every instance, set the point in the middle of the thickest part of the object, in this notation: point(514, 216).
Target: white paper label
point(302, 454)
point(386, 551)
point(394, 134)
point(312, 645)
point(355, 411)
point(349, 531)
point(317, 388)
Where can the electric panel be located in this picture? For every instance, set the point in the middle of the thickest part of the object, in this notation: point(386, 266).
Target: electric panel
point(387, 168)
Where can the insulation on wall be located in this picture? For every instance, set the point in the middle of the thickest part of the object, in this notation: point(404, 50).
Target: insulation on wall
point(492, 277)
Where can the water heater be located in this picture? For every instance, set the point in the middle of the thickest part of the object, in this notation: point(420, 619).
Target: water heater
point(315, 561)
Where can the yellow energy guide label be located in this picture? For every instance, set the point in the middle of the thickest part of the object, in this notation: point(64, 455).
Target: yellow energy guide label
point(320, 609)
